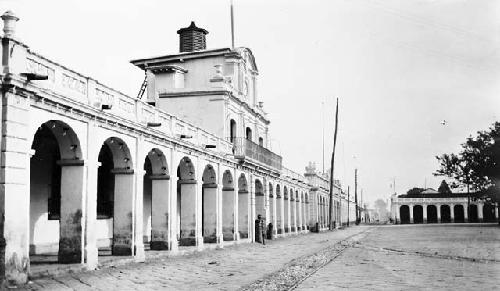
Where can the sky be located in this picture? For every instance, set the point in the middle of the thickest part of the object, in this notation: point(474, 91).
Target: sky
point(398, 69)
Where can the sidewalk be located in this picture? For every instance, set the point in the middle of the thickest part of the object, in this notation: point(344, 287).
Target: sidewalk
point(222, 269)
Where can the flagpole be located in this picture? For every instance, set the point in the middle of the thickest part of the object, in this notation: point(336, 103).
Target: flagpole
point(332, 164)
point(232, 26)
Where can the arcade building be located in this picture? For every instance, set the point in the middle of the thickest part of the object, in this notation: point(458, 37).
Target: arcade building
point(88, 172)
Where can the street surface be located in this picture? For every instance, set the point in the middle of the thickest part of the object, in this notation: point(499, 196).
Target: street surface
point(440, 256)
point(225, 269)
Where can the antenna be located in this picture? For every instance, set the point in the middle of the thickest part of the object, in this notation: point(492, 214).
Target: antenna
point(232, 26)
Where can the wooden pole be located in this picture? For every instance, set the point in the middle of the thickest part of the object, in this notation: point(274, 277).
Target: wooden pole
point(330, 226)
point(348, 198)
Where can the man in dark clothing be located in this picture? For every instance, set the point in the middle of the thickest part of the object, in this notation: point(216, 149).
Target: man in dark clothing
point(261, 230)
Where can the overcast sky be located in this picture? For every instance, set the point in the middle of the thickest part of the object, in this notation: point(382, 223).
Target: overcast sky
point(398, 68)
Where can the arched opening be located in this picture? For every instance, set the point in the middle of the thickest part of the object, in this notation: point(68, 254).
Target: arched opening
point(232, 130)
point(260, 200)
point(115, 198)
point(156, 200)
point(418, 214)
point(308, 211)
point(272, 210)
point(209, 205)
point(261, 141)
point(458, 211)
point(286, 216)
point(279, 210)
point(248, 133)
point(293, 211)
point(56, 194)
point(228, 199)
point(445, 213)
point(489, 213)
point(303, 211)
point(243, 206)
point(473, 217)
point(186, 203)
point(432, 214)
point(404, 214)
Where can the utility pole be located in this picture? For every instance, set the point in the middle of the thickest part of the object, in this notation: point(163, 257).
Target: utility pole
point(348, 198)
point(356, 194)
point(330, 224)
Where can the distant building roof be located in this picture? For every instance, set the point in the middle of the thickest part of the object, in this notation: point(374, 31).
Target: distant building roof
point(429, 191)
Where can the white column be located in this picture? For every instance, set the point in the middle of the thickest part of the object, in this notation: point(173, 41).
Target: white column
point(466, 212)
point(452, 212)
point(411, 213)
point(160, 212)
point(424, 210)
point(496, 211)
point(438, 208)
point(480, 211)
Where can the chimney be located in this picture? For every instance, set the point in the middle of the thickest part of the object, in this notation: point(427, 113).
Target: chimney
point(192, 38)
point(9, 23)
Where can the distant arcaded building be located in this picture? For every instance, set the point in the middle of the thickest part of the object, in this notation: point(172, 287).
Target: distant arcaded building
point(430, 206)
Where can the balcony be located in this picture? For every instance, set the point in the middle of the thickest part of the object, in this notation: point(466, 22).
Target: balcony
point(244, 148)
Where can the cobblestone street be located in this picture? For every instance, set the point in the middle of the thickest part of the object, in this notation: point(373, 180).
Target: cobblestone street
point(447, 256)
point(225, 269)
point(444, 257)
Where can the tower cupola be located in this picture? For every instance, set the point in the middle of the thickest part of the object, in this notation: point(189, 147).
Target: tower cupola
point(192, 38)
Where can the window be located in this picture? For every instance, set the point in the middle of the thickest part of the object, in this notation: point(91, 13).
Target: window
point(249, 133)
point(232, 130)
point(261, 141)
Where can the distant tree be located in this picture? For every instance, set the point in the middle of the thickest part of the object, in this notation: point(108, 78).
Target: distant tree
point(477, 165)
point(414, 191)
point(444, 188)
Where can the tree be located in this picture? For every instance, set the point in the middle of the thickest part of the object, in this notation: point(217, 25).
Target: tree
point(477, 165)
point(415, 191)
point(381, 208)
point(444, 188)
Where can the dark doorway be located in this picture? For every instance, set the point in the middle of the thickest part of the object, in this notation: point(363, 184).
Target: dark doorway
point(458, 210)
point(418, 214)
point(473, 217)
point(445, 213)
point(489, 213)
point(404, 213)
point(432, 214)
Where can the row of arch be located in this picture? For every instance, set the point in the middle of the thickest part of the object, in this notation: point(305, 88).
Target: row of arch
point(447, 213)
point(57, 177)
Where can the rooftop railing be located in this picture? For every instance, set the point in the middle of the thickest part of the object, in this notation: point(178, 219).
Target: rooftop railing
point(243, 148)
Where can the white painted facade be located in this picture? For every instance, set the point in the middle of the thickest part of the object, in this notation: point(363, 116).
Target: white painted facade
point(131, 172)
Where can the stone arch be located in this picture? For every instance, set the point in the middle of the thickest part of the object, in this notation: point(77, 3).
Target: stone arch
point(186, 202)
point(418, 214)
point(445, 213)
point(286, 210)
point(260, 199)
point(279, 210)
point(458, 211)
point(243, 212)
point(228, 207)
point(209, 205)
point(293, 210)
point(404, 214)
point(56, 192)
point(272, 206)
point(432, 214)
point(115, 193)
point(489, 212)
point(473, 213)
point(156, 200)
